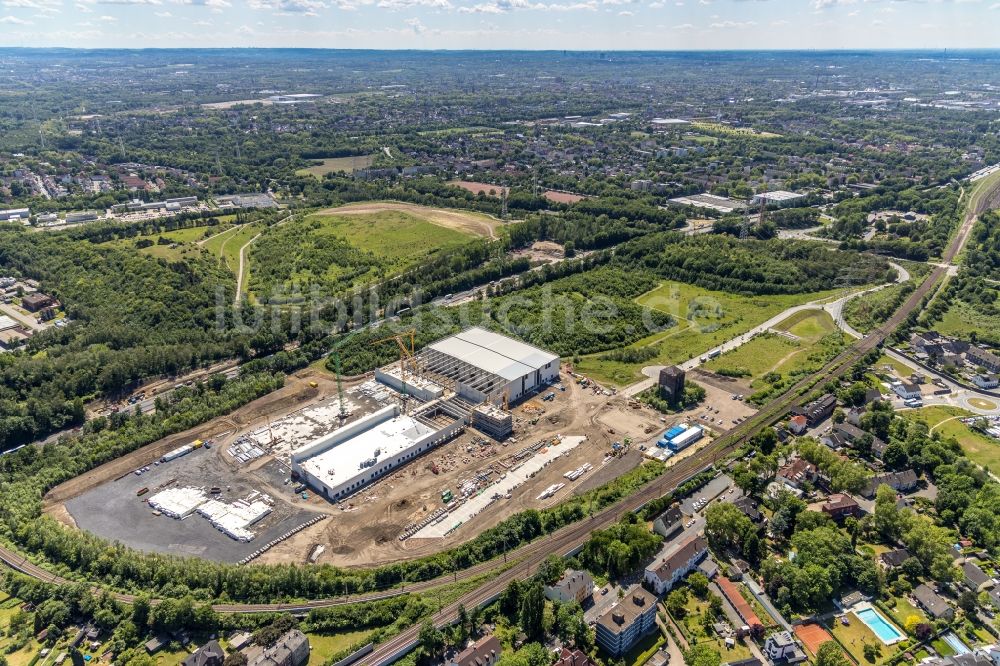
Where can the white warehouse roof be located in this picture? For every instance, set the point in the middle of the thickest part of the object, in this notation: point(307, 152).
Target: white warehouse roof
point(778, 195)
point(494, 353)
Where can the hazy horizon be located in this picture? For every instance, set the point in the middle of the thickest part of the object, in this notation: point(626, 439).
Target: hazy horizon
point(612, 25)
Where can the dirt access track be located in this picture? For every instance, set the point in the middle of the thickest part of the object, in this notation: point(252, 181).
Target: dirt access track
point(467, 221)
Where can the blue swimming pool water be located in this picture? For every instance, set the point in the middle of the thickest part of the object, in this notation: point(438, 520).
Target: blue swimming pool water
point(956, 643)
point(885, 631)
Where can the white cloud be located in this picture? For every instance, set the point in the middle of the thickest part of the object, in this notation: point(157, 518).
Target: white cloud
point(406, 4)
point(416, 26)
point(504, 6)
point(306, 7)
point(626, 13)
point(13, 20)
point(109, 19)
point(683, 26)
point(732, 24)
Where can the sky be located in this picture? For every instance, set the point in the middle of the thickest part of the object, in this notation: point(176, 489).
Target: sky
point(504, 24)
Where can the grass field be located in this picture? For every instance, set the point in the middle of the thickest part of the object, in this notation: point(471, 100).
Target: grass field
point(337, 165)
point(469, 222)
point(398, 237)
point(227, 244)
point(979, 448)
point(961, 319)
point(707, 319)
point(183, 242)
point(902, 370)
point(325, 646)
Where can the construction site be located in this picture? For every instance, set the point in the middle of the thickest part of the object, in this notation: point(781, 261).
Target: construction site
point(411, 459)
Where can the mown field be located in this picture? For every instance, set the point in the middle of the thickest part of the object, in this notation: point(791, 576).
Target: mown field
point(353, 245)
point(776, 353)
point(707, 318)
point(979, 448)
point(337, 165)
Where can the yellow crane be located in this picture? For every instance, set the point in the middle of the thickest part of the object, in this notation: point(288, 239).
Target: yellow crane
point(406, 355)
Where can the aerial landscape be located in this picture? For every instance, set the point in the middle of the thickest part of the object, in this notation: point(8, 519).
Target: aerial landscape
point(498, 357)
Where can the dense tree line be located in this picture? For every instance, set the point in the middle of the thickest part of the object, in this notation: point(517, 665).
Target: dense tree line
point(749, 267)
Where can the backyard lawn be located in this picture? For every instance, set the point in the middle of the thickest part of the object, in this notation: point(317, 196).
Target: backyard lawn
point(693, 626)
point(325, 646)
point(854, 636)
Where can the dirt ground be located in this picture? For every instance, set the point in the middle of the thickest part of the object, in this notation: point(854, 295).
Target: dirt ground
point(473, 223)
point(296, 393)
point(364, 530)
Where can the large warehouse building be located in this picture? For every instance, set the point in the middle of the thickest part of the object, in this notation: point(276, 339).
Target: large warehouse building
point(353, 456)
point(483, 366)
point(461, 380)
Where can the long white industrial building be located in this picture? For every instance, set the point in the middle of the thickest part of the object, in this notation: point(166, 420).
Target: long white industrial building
point(341, 463)
point(484, 366)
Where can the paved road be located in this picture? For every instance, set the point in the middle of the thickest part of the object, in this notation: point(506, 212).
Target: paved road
point(21, 318)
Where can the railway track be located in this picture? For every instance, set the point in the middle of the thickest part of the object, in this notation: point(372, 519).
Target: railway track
point(527, 558)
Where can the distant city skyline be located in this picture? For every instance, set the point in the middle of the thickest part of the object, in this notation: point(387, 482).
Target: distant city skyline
point(504, 24)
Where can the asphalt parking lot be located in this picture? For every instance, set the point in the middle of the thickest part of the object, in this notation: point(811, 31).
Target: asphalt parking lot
point(113, 511)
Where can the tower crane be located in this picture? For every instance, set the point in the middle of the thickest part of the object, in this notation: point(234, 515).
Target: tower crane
point(406, 355)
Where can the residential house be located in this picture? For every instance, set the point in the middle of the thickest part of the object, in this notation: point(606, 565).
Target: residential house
point(933, 603)
point(663, 574)
point(780, 647)
point(872, 395)
point(573, 586)
point(292, 649)
point(986, 381)
point(669, 522)
point(749, 507)
point(626, 622)
point(797, 473)
point(906, 390)
point(573, 658)
point(484, 652)
point(980, 357)
point(818, 410)
point(893, 559)
point(842, 506)
point(798, 424)
point(975, 578)
point(902, 482)
point(209, 654)
point(878, 447)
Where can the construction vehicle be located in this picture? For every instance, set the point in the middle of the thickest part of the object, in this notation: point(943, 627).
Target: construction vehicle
point(316, 384)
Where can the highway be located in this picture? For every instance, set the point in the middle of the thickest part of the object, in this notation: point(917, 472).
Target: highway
point(527, 558)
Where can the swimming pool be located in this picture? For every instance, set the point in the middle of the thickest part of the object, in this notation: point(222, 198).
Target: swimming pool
point(956, 643)
point(887, 633)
